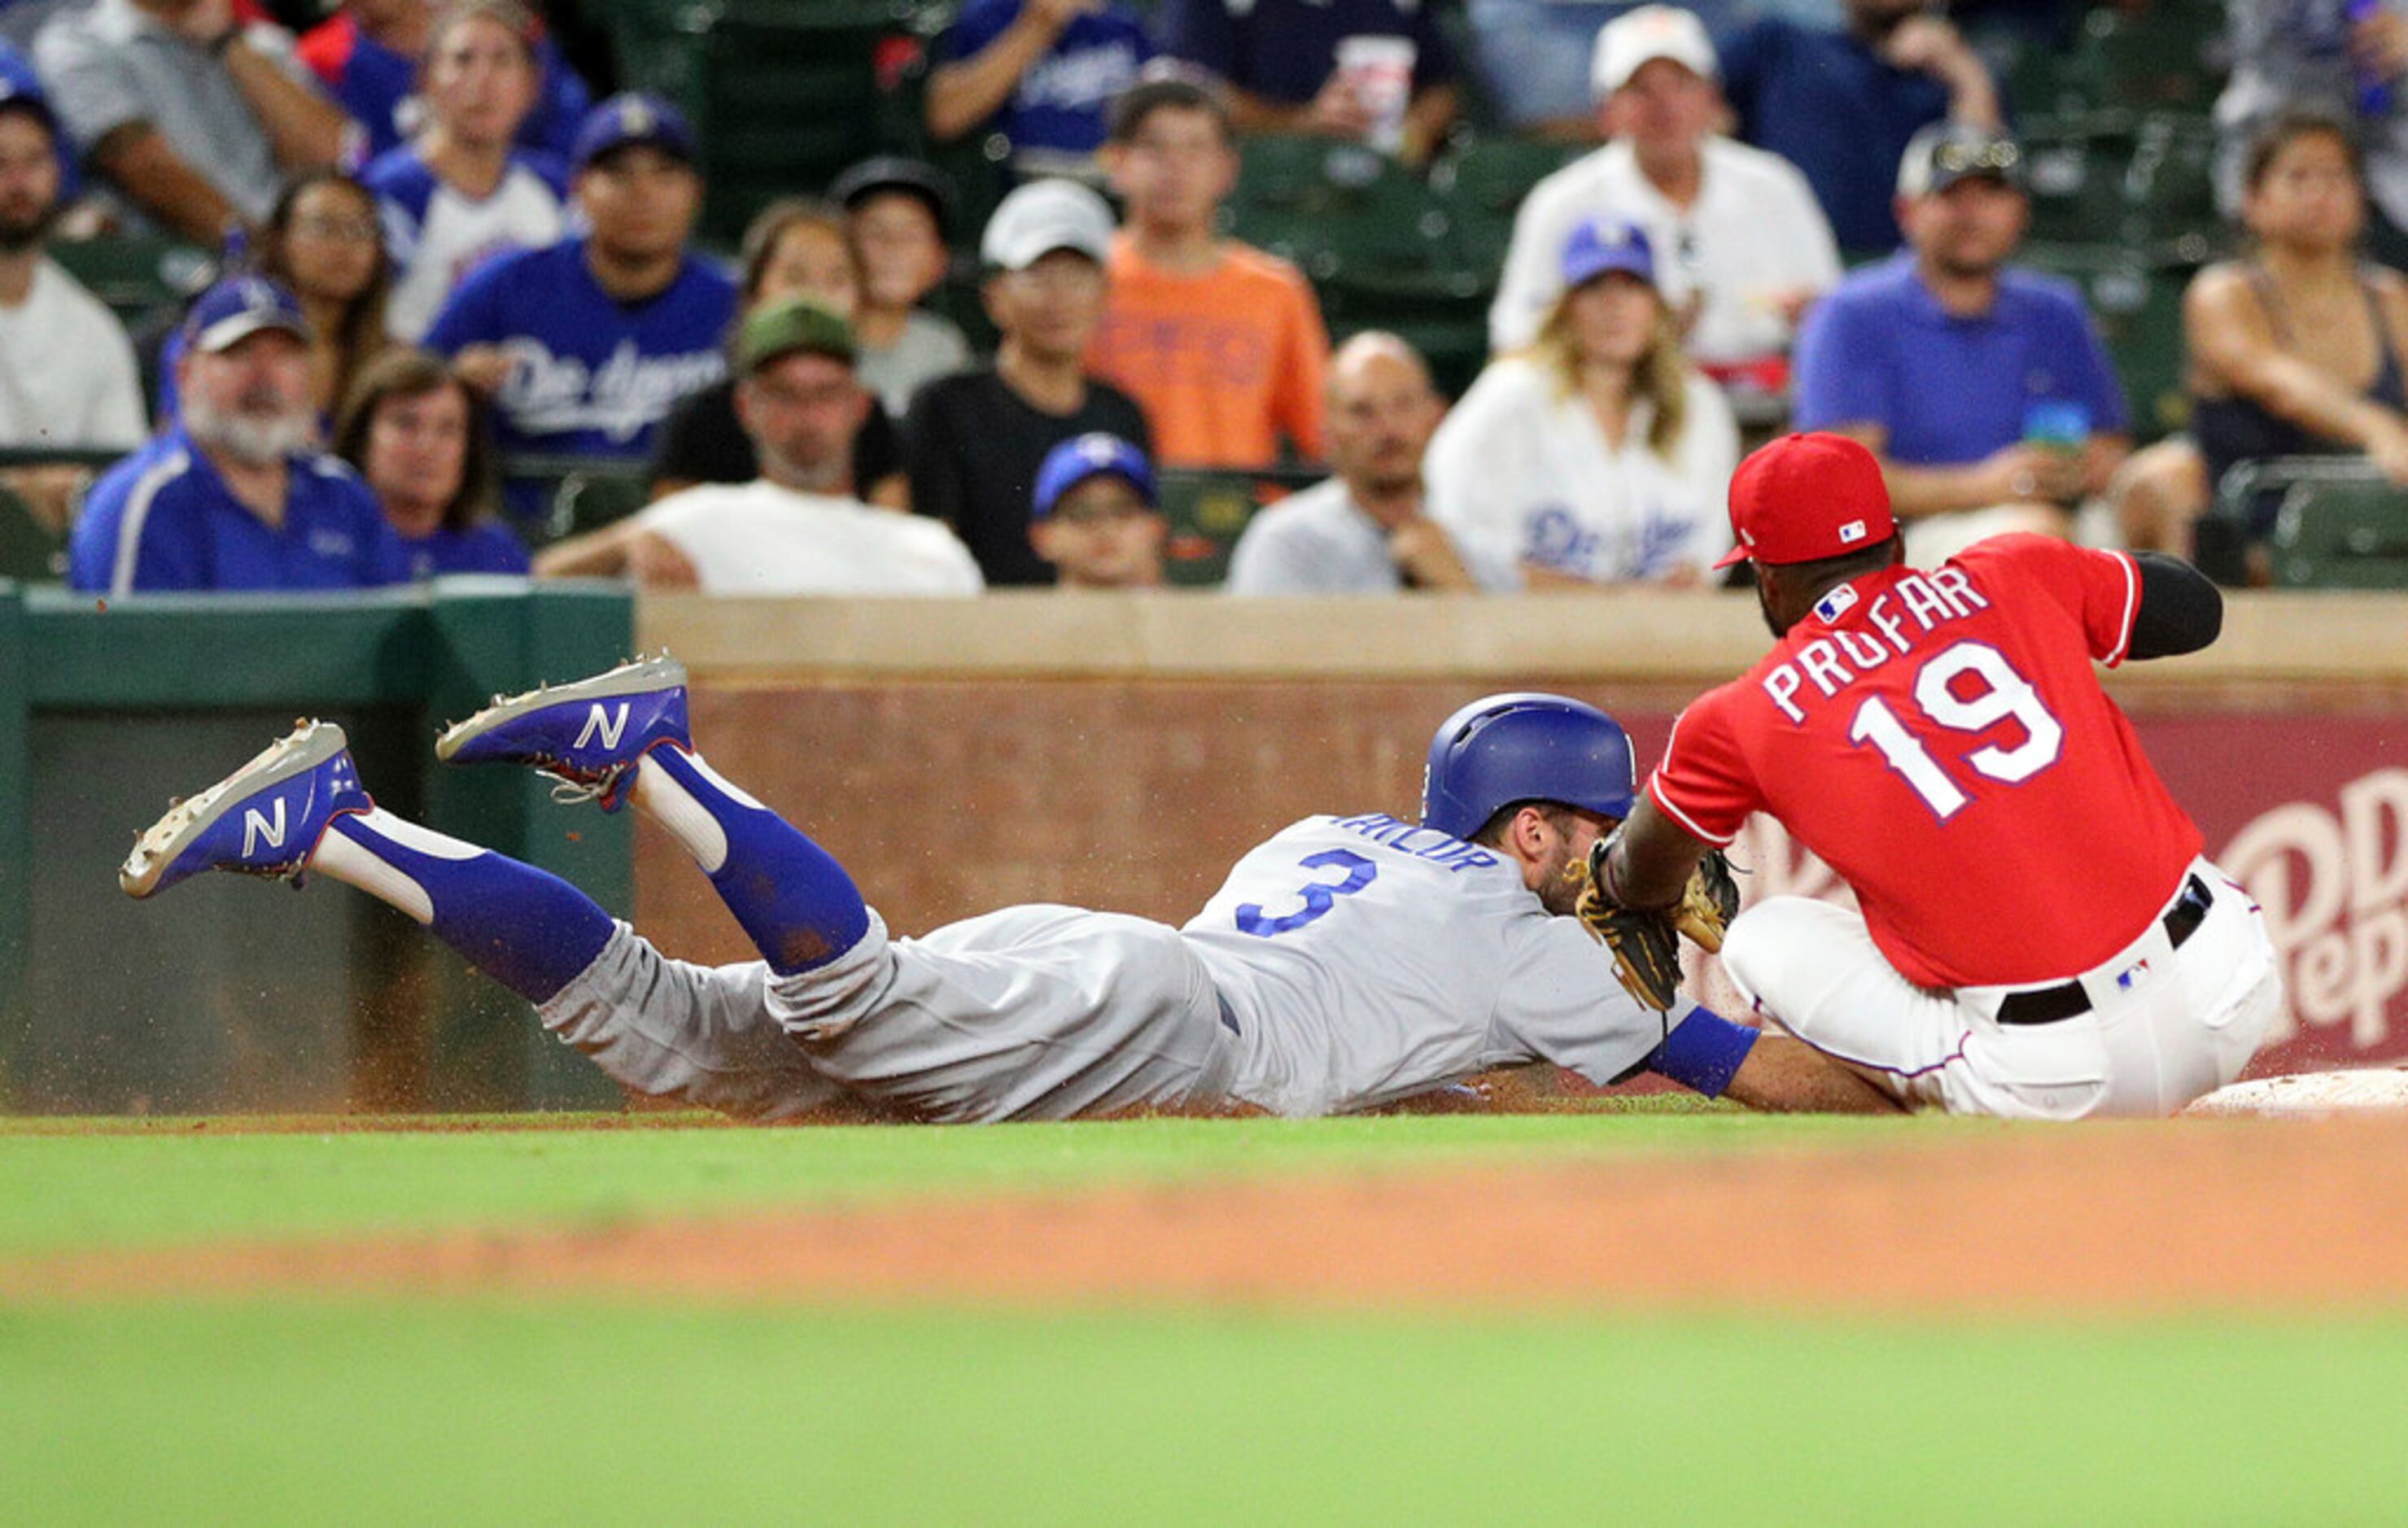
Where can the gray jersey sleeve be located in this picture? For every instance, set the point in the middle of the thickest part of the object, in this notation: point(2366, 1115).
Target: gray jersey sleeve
point(1564, 1003)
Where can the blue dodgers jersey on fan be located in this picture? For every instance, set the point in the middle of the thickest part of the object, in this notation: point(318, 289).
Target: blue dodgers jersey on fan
point(589, 376)
point(479, 549)
point(163, 522)
point(1059, 103)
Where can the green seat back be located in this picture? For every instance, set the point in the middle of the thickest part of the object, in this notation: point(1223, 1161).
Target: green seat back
point(1207, 510)
point(2341, 532)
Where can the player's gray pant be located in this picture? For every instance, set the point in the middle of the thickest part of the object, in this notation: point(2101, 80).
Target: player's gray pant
point(1030, 1013)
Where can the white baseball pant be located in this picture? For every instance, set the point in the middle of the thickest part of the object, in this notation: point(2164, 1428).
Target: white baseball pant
point(2164, 1025)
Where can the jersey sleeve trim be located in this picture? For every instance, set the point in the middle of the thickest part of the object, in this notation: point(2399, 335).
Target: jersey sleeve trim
point(1655, 793)
point(2131, 608)
point(138, 516)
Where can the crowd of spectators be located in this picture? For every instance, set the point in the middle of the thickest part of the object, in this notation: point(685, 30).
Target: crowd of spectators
point(447, 276)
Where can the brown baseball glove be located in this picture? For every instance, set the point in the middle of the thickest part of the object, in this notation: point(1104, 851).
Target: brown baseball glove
point(1644, 943)
point(1708, 902)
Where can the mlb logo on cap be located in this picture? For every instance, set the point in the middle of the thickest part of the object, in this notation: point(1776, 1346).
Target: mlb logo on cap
point(1806, 497)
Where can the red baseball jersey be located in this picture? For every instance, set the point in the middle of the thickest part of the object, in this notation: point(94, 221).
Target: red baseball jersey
point(1940, 740)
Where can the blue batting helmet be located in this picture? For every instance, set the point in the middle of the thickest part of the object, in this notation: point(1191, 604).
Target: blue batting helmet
point(1526, 747)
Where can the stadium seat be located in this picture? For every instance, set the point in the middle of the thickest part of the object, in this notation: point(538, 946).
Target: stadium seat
point(783, 93)
point(1482, 184)
point(1344, 213)
point(2137, 304)
point(139, 278)
point(2338, 522)
point(2075, 170)
point(2166, 55)
point(1208, 509)
point(2171, 186)
point(582, 494)
point(29, 552)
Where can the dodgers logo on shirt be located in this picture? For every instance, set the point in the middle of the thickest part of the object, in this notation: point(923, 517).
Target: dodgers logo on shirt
point(557, 395)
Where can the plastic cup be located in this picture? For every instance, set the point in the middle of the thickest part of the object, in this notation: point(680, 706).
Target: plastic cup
point(1380, 71)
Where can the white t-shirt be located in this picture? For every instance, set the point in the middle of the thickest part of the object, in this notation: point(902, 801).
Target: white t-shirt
point(1754, 233)
point(1521, 469)
point(1319, 541)
point(1366, 959)
point(67, 375)
point(438, 233)
point(759, 538)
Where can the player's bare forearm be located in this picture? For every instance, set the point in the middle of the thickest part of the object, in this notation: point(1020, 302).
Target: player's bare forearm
point(1652, 857)
point(1787, 1076)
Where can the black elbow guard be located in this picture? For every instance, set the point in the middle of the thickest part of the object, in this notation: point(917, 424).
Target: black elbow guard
point(2181, 608)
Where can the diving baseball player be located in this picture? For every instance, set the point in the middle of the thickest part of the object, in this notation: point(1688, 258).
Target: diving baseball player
point(2039, 937)
point(1347, 962)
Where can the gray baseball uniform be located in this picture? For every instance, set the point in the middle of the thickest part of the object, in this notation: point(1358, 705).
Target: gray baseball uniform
point(1345, 963)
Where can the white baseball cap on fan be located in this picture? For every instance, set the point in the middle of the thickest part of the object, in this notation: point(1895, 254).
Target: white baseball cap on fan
point(1642, 37)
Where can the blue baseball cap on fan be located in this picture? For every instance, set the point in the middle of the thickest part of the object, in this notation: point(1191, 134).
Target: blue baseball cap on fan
point(21, 91)
point(631, 118)
point(1600, 246)
point(1075, 461)
point(239, 307)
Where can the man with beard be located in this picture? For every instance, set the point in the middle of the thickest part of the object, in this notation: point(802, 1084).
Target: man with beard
point(235, 494)
point(1841, 104)
point(1983, 389)
point(67, 375)
point(1365, 531)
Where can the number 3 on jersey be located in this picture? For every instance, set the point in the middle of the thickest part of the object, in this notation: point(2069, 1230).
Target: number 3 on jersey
point(2003, 694)
point(1319, 896)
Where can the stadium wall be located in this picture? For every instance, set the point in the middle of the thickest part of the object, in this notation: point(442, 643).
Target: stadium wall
point(224, 995)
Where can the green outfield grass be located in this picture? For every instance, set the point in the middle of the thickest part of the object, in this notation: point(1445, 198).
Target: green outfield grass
point(491, 1413)
point(62, 1186)
point(421, 1409)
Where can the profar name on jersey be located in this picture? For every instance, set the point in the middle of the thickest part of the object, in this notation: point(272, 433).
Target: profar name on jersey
point(1902, 614)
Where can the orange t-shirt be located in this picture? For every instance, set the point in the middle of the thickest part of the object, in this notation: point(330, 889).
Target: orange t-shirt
point(1223, 363)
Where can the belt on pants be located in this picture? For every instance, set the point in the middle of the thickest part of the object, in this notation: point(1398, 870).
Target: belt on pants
point(2067, 1000)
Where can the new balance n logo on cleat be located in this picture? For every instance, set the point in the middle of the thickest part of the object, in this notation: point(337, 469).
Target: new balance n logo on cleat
point(610, 728)
point(255, 826)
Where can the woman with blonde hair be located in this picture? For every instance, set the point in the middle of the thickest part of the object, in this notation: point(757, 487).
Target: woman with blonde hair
point(1599, 455)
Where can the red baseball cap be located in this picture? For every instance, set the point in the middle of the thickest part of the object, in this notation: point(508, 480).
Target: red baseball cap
point(1806, 497)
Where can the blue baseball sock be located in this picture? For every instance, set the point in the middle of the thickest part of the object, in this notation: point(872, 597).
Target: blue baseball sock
point(526, 928)
point(793, 899)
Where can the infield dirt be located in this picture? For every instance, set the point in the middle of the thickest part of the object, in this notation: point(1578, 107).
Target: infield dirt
point(2110, 1219)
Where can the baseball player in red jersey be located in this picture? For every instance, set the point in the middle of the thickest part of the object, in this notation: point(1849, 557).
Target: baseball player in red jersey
point(2038, 935)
